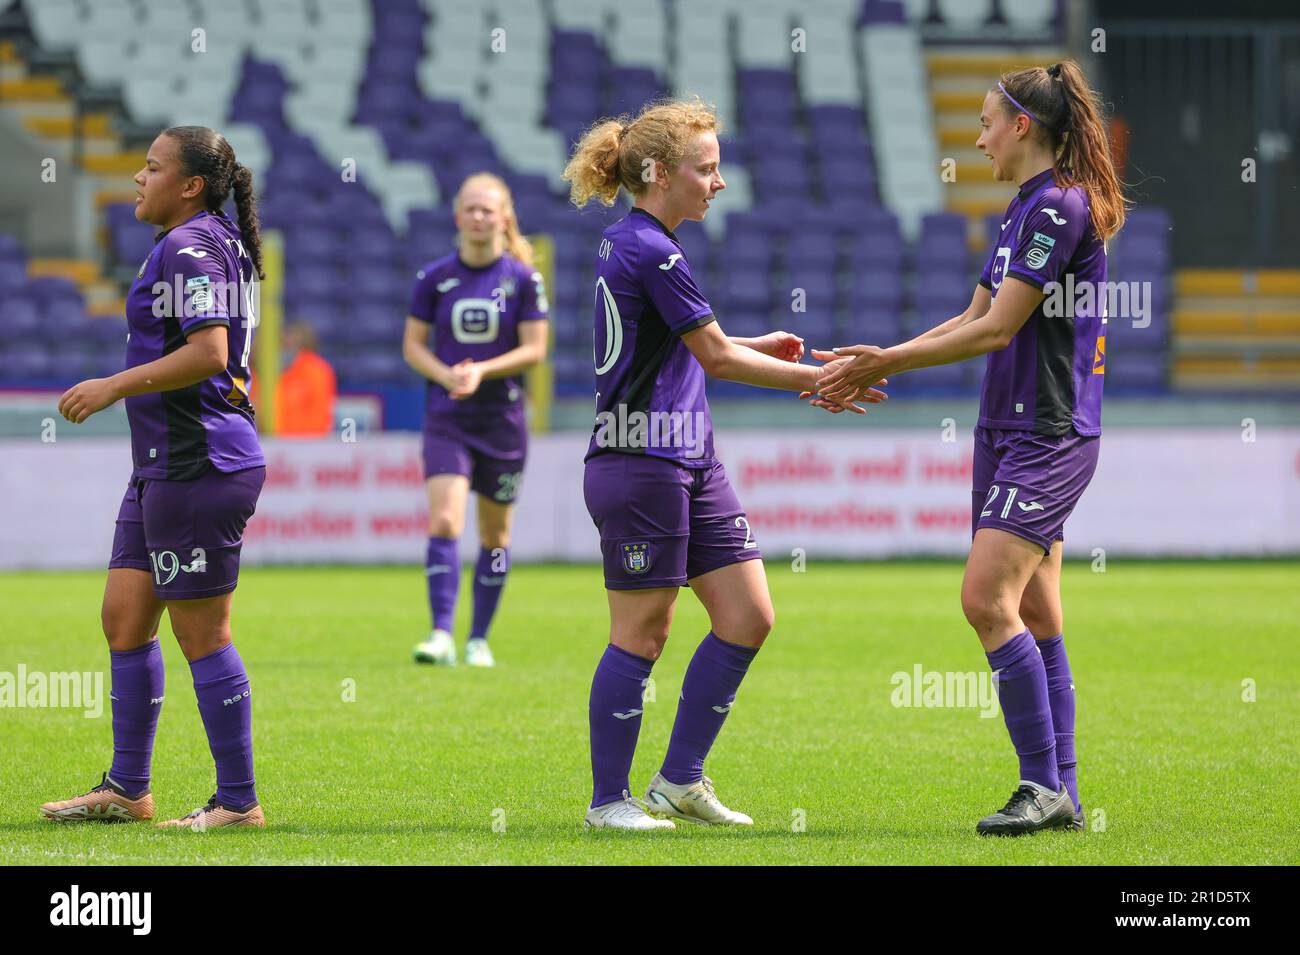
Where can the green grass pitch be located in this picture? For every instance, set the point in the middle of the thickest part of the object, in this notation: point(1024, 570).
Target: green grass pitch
point(428, 765)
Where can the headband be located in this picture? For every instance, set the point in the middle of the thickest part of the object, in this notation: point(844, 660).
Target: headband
point(1017, 105)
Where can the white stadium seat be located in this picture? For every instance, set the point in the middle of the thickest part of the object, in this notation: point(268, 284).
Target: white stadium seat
point(1029, 16)
point(406, 186)
point(639, 37)
point(591, 15)
point(764, 40)
point(150, 99)
point(105, 61)
point(56, 23)
point(902, 124)
point(965, 16)
point(324, 100)
point(916, 10)
point(737, 197)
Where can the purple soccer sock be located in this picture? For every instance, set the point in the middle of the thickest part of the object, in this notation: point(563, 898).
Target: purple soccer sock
point(442, 567)
point(614, 712)
point(1060, 693)
point(221, 686)
point(489, 580)
point(708, 690)
point(1022, 692)
point(137, 698)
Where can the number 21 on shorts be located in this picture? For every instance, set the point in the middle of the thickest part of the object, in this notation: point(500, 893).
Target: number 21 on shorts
point(994, 490)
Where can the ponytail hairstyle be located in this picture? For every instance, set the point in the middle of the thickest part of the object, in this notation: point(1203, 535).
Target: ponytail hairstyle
point(518, 246)
point(1069, 115)
point(616, 152)
point(205, 152)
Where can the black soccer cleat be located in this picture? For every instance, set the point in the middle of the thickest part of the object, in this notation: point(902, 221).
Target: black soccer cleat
point(1029, 810)
point(1078, 823)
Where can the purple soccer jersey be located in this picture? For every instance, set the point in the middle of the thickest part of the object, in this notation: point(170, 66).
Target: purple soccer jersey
point(475, 313)
point(1049, 379)
point(649, 387)
point(196, 275)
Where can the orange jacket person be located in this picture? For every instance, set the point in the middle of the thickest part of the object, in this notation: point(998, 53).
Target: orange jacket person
point(304, 403)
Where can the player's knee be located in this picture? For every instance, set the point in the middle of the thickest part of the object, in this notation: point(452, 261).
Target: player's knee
point(761, 622)
point(648, 644)
point(443, 525)
point(645, 636)
point(123, 633)
point(197, 642)
point(1041, 621)
point(985, 611)
point(749, 627)
point(492, 538)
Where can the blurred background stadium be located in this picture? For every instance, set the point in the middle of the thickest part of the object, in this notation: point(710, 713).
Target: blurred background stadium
point(857, 207)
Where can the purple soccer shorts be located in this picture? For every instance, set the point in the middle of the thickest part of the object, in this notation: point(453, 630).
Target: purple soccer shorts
point(662, 524)
point(187, 534)
point(1028, 484)
point(490, 453)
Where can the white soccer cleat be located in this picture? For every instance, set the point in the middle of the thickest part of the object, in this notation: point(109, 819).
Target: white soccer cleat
point(694, 802)
point(626, 813)
point(478, 653)
point(440, 648)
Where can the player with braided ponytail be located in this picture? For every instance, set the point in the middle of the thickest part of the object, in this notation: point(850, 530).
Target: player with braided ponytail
point(1037, 438)
point(198, 471)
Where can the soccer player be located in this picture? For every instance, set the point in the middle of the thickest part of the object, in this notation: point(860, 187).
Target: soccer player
point(1039, 427)
point(486, 307)
point(198, 470)
point(666, 514)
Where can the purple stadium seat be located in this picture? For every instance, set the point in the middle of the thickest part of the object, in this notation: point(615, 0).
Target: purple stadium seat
point(1135, 372)
point(816, 328)
point(311, 245)
point(942, 291)
point(869, 325)
point(747, 289)
point(26, 363)
point(63, 319)
point(108, 333)
point(747, 250)
point(1140, 252)
point(20, 316)
point(699, 249)
point(13, 276)
point(745, 322)
point(811, 250)
point(878, 289)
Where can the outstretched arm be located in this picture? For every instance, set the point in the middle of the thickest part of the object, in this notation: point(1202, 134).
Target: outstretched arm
point(991, 331)
point(723, 358)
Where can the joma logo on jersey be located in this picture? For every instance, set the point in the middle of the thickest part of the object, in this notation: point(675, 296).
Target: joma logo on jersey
point(636, 557)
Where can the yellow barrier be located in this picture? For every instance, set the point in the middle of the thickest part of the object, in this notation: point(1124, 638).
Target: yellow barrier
point(266, 354)
point(540, 380)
